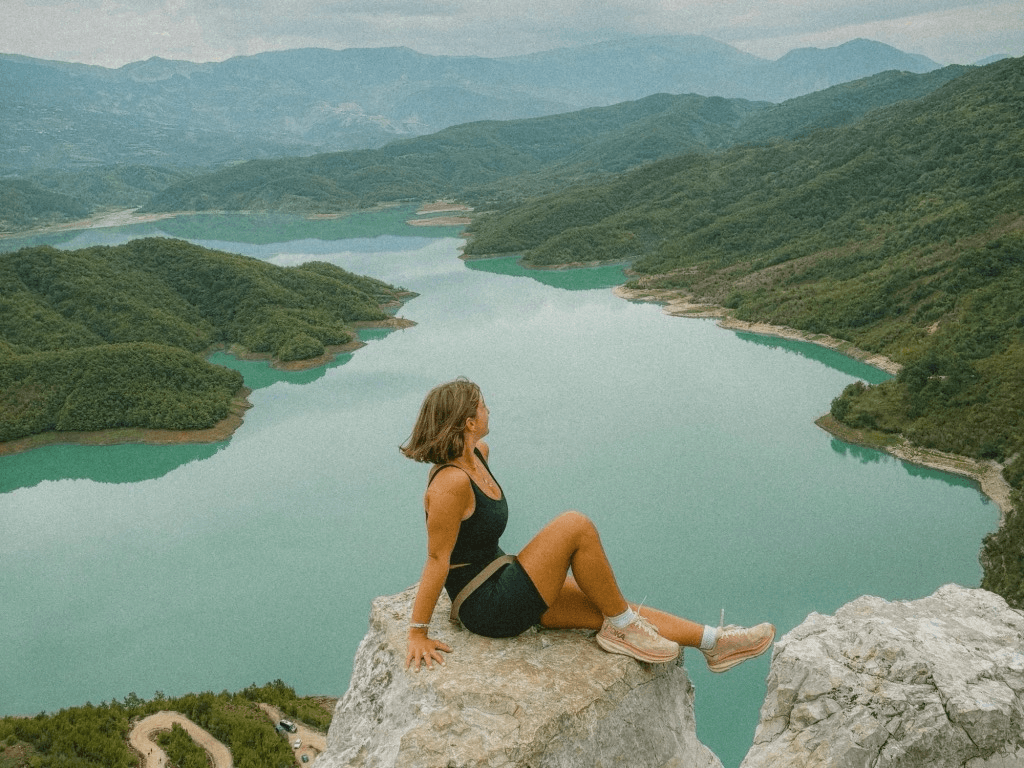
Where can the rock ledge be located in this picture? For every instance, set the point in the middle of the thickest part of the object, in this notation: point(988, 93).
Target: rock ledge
point(932, 682)
point(546, 699)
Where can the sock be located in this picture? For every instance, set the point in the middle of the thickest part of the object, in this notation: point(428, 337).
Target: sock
point(707, 642)
point(624, 619)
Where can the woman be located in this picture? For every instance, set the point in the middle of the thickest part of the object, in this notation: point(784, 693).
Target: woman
point(466, 513)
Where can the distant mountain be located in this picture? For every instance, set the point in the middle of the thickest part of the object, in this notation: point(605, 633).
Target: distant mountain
point(487, 161)
point(812, 69)
point(56, 115)
point(992, 59)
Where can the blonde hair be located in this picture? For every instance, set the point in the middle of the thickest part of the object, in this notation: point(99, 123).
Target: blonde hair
point(438, 435)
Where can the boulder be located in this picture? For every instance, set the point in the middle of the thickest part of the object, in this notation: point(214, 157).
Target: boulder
point(545, 699)
point(932, 682)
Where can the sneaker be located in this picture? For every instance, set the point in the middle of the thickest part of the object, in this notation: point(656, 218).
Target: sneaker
point(639, 640)
point(737, 644)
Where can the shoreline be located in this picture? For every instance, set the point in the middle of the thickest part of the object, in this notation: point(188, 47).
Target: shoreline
point(331, 351)
point(986, 474)
point(119, 218)
point(457, 215)
point(219, 432)
point(124, 217)
point(224, 429)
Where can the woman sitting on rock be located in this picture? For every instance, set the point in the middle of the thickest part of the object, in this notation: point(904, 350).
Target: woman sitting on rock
point(466, 513)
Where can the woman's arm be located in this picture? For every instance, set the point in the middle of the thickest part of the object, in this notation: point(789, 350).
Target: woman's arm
point(448, 500)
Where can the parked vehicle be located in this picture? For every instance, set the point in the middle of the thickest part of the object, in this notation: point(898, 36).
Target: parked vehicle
point(288, 725)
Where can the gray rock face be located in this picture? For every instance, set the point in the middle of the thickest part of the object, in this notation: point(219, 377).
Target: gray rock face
point(548, 699)
point(933, 682)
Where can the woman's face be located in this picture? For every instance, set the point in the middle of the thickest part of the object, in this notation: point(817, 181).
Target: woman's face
point(480, 426)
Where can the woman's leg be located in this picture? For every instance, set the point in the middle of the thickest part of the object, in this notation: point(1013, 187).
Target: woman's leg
point(572, 609)
point(582, 602)
point(571, 541)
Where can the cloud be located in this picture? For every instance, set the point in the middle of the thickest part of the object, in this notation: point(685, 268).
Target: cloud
point(114, 32)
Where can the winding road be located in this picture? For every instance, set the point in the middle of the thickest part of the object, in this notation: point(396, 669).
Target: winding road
point(143, 739)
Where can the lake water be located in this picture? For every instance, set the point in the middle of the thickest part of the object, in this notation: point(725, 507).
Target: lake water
point(191, 568)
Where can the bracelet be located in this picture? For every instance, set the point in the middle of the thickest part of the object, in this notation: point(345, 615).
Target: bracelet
point(419, 626)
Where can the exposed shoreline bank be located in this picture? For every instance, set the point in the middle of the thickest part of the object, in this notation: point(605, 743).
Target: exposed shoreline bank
point(219, 432)
point(986, 474)
point(120, 218)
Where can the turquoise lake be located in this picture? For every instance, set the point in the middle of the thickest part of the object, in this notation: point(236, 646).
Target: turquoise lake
point(210, 567)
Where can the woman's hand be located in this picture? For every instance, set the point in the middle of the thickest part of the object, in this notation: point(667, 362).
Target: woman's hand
point(424, 650)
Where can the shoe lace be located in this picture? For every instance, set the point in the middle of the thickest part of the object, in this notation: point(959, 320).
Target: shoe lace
point(645, 624)
point(723, 628)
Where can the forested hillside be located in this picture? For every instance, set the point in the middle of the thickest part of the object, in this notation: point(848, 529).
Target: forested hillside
point(96, 736)
point(512, 160)
point(24, 204)
point(111, 337)
point(901, 233)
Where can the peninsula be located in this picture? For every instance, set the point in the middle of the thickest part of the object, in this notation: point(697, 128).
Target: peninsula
point(108, 344)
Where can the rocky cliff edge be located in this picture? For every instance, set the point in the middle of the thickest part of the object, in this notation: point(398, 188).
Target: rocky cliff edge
point(548, 699)
point(933, 682)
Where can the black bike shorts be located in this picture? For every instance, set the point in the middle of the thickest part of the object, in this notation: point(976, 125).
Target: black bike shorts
point(505, 605)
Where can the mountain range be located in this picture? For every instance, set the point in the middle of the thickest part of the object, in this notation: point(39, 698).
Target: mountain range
point(179, 114)
point(495, 162)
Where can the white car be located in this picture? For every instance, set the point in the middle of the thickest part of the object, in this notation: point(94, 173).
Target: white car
point(297, 744)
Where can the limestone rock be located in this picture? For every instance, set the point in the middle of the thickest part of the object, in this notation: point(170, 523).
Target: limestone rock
point(931, 682)
point(545, 699)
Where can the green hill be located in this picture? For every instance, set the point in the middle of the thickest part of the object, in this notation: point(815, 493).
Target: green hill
point(25, 204)
point(110, 337)
point(487, 161)
point(901, 233)
point(96, 736)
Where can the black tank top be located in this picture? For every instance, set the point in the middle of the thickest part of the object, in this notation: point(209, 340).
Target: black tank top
point(477, 542)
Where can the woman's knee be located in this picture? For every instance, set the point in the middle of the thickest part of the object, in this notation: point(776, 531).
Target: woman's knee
point(578, 523)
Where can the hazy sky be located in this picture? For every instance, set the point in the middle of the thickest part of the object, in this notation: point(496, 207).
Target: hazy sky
point(115, 32)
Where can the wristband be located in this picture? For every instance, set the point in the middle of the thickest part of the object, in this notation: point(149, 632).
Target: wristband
point(419, 626)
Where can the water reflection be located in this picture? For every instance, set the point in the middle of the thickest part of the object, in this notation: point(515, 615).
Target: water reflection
point(585, 279)
point(252, 229)
point(266, 228)
point(103, 464)
point(812, 351)
point(859, 452)
point(927, 473)
point(866, 455)
point(259, 374)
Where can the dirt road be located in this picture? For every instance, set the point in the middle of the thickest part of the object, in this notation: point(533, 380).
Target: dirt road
point(142, 740)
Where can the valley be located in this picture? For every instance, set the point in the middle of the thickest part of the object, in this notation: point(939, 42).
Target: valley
point(860, 198)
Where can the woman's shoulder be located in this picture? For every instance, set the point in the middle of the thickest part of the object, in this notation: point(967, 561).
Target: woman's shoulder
point(447, 477)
